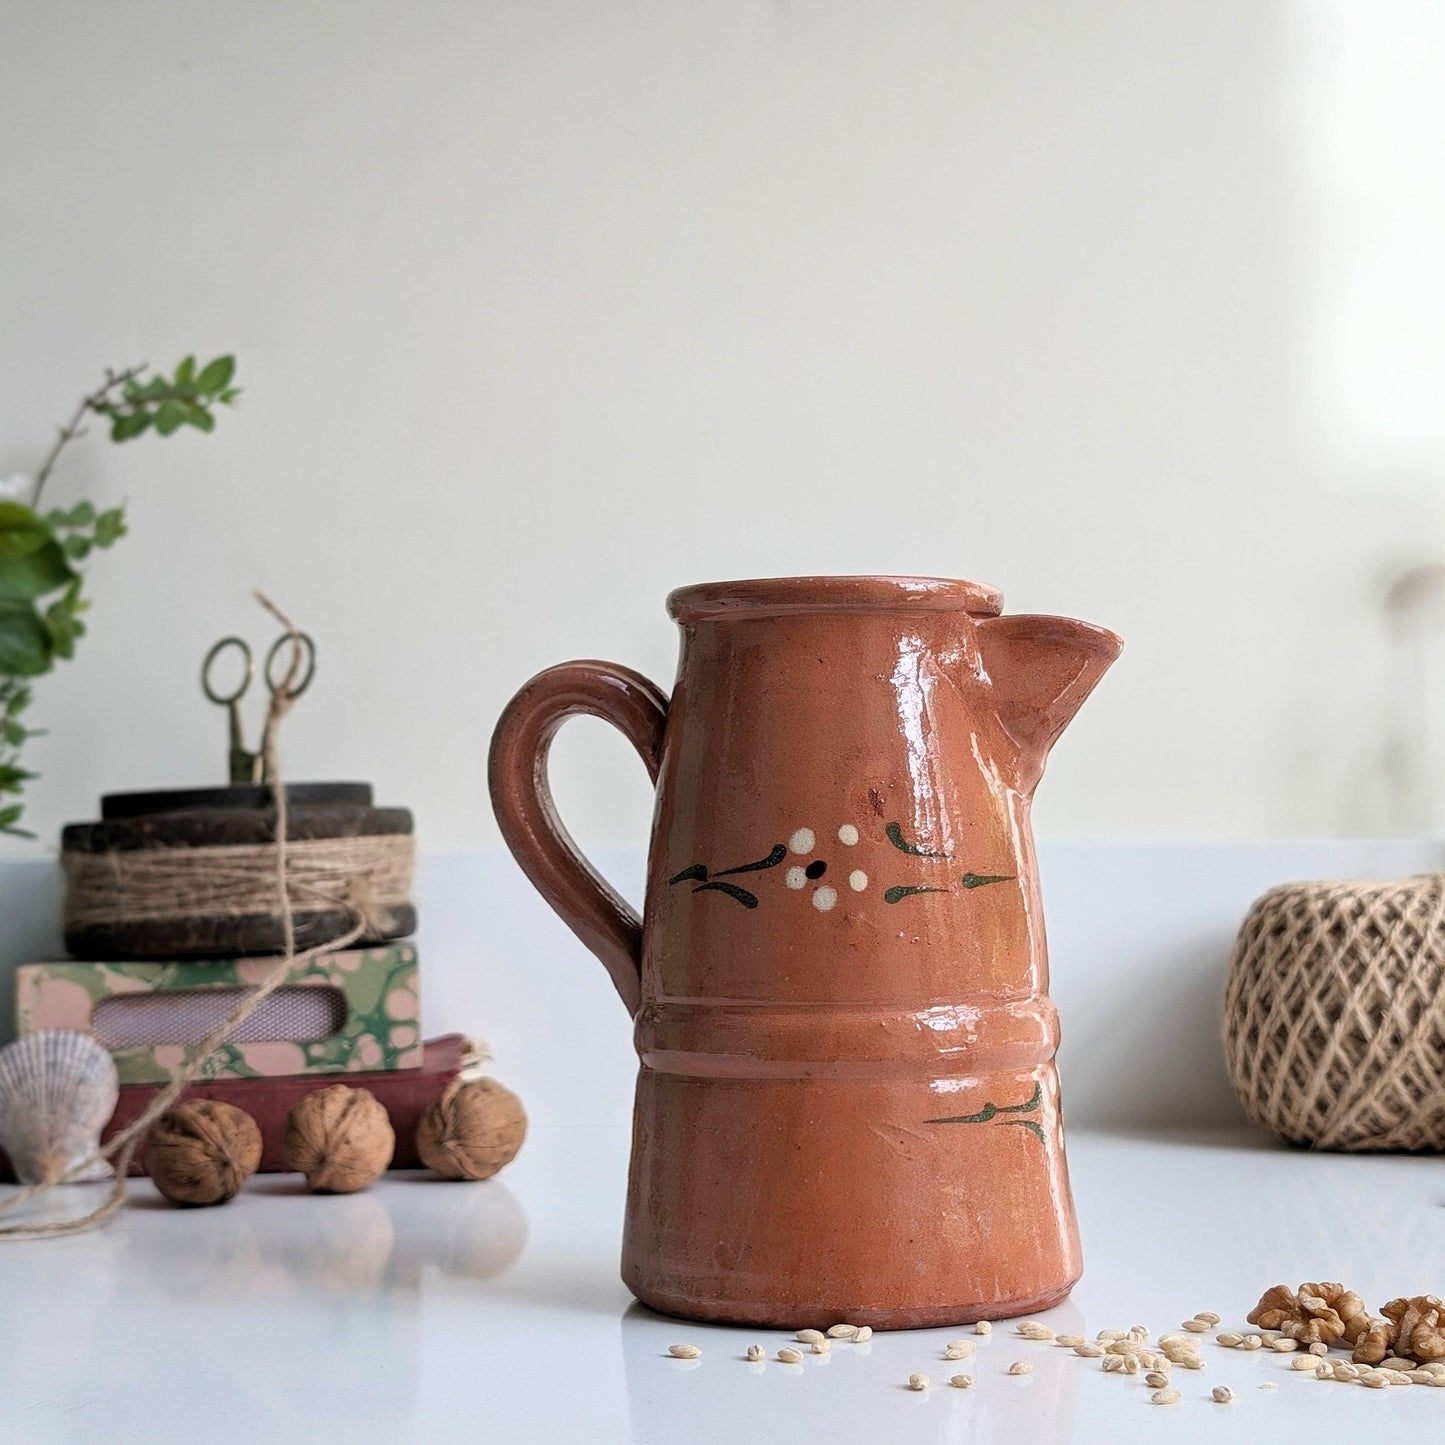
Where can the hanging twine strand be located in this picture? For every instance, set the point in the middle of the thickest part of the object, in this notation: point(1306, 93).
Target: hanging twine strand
point(121, 1148)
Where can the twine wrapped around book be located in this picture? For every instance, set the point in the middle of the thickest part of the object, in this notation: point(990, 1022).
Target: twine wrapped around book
point(138, 885)
point(121, 1148)
point(1334, 1014)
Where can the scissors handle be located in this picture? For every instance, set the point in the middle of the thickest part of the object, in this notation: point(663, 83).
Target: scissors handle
point(242, 764)
point(306, 654)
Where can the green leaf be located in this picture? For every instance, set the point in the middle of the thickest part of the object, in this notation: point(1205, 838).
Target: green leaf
point(110, 527)
point(126, 426)
point(21, 531)
point(200, 418)
point(77, 548)
point(25, 649)
point(12, 778)
point(217, 375)
point(80, 515)
point(14, 732)
point(35, 574)
point(186, 371)
point(229, 395)
point(19, 701)
point(171, 417)
point(10, 816)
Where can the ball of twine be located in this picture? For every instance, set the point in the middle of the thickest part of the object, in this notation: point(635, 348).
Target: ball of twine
point(1334, 1014)
point(472, 1131)
point(340, 1138)
point(202, 1152)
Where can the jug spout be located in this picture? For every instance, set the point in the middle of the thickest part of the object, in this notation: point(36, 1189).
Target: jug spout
point(1040, 670)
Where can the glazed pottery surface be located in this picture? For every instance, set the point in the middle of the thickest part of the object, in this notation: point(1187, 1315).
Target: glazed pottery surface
point(847, 1106)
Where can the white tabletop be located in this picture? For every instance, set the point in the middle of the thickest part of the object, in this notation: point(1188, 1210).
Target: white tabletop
point(493, 1312)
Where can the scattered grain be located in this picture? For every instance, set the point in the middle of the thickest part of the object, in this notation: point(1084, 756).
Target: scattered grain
point(1033, 1330)
point(1229, 1340)
point(1165, 1397)
point(1318, 1348)
point(1394, 1362)
point(1210, 1318)
point(1088, 1352)
point(1104, 1336)
point(918, 1382)
point(754, 1354)
point(1156, 1379)
point(808, 1337)
point(960, 1382)
point(1195, 1327)
point(842, 1332)
point(959, 1350)
point(1222, 1394)
point(1251, 1342)
point(1071, 1342)
point(1113, 1364)
point(822, 1347)
point(789, 1356)
point(983, 1327)
point(862, 1334)
point(1270, 1385)
point(1021, 1367)
point(1285, 1347)
point(1305, 1362)
point(684, 1352)
point(1372, 1380)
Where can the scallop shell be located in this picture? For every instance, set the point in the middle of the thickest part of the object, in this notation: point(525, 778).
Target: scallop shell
point(58, 1089)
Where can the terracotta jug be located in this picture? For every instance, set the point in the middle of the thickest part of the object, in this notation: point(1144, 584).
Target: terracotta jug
point(847, 1106)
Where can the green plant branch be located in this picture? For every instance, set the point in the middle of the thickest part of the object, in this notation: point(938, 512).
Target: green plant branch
point(73, 430)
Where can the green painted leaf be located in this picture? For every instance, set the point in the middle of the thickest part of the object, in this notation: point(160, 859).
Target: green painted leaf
point(1034, 1128)
point(982, 880)
point(897, 895)
point(21, 531)
point(35, 573)
point(771, 861)
point(697, 871)
point(895, 836)
point(1034, 1100)
point(217, 375)
point(982, 1117)
point(748, 900)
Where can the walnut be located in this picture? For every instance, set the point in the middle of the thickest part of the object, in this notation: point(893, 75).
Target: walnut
point(1418, 1334)
point(1346, 1304)
point(1308, 1315)
point(1375, 1343)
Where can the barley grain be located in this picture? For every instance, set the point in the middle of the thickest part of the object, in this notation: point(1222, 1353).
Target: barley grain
point(1305, 1362)
point(684, 1352)
point(959, 1350)
point(789, 1356)
point(1229, 1340)
point(1069, 1341)
point(808, 1337)
point(842, 1332)
point(1210, 1318)
point(1104, 1336)
point(1222, 1394)
point(862, 1334)
point(754, 1354)
point(918, 1382)
point(960, 1382)
point(1113, 1364)
point(1285, 1347)
point(1395, 1362)
point(1270, 1385)
point(1021, 1367)
point(1195, 1327)
point(1165, 1397)
point(983, 1327)
point(1157, 1379)
point(1318, 1348)
point(1373, 1380)
point(1033, 1330)
point(822, 1347)
point(1251, 1342)
point(1088, 1352)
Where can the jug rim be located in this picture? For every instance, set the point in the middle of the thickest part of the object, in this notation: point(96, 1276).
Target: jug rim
point(765, 596)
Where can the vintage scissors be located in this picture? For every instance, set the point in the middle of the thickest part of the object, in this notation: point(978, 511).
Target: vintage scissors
point(245, 766)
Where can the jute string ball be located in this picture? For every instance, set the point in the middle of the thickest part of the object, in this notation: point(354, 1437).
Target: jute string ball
point(202, 1152)
point(472, 1131)
point(340, 1138)
point(1334, 1014)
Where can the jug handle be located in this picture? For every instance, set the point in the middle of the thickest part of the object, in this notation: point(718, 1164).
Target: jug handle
point(527, 814)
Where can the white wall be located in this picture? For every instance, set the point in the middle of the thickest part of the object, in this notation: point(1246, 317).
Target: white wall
point(1134, 309)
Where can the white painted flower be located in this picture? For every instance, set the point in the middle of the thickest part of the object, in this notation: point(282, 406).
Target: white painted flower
point(17, 487)
point(800, 875)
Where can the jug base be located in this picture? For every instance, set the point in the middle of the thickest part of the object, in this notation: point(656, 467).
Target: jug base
point(772, 1315)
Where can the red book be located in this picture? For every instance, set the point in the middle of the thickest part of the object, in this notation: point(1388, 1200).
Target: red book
point(405, 1093)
